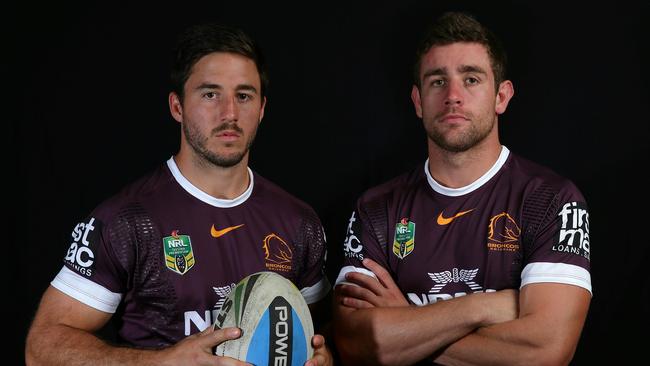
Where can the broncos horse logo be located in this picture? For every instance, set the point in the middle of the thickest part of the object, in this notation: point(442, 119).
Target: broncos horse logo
point(276, 250)
point(503, 229)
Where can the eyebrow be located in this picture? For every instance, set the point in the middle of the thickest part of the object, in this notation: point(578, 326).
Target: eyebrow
point(435, 72)
point(471, 68)
point(463, 69)
point(240, 87)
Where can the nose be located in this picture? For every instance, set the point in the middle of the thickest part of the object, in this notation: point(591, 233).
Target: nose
point(230, 110)
point(454, 95)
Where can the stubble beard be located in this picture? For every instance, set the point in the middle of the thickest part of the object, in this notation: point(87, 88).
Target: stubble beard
point(198, 142)
point(460, 141)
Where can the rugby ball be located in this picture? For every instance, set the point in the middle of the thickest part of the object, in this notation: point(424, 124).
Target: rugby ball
point(274, 318)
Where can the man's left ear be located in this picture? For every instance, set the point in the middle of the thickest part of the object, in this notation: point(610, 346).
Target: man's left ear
point(175, 106)
point(504, 94)
point(262, 109)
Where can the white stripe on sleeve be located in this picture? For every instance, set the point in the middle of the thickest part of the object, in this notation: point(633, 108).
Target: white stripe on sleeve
point(570, 274)
point(86, 291)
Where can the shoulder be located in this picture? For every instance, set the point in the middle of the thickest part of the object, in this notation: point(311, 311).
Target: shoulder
point(539, 180)
point(274, 196)
point(133, 194)
point(395, 187)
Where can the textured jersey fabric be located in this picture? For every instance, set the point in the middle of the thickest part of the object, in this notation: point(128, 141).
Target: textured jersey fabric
point(168, 254)
point(519, 223)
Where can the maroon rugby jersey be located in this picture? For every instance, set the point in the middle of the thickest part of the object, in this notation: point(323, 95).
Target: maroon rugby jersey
point(170, 253)
point(519, 223)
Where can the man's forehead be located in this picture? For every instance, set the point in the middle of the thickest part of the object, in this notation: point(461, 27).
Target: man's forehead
point(456, 57)
point(457, 53)
point(225, 69)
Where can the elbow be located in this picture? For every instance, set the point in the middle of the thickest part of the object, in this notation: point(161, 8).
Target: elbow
point(385, 351)
point(352, 345)
point(30, 350)
point(559, 358)
point(358, 340)
point(552, 355)
point(542, 359)
point(362, 353)
point(385, 358)
point(30, 359)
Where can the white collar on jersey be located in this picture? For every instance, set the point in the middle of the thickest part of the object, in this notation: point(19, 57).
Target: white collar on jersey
point(196, 192)
point(454, 192)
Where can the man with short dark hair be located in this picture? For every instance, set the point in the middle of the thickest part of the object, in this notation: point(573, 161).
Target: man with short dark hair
point(169, 248)
point(473, 220)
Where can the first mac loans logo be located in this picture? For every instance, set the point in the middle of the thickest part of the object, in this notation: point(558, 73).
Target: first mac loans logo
point(352, 245)
point(573, 236)
point(80, 254)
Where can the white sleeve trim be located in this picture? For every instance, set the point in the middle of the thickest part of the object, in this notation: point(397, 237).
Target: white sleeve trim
point(556, 272)
point(347, 269)
point(316, 292)
point(86, 291)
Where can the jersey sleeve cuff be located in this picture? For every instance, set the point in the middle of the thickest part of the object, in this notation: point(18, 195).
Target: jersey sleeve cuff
point(347, 269)
point(316, 292)
point(86, 291)
point(570, 274)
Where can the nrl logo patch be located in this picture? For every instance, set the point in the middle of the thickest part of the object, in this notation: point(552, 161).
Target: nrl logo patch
point(178, 252)
point(404, 242)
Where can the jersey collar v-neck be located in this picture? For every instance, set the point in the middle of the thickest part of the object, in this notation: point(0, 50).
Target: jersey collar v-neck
point(199, 194)
point(455, 192)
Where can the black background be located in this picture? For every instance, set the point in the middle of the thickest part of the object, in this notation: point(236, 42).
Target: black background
point(87, 104)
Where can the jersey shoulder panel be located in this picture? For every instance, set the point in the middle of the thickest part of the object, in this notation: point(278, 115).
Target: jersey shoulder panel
point(104, 246)
point(534, 176)
point(375, 205)
point(555, 221)
point(394, 187)
point(139, 190)
point(282, 200)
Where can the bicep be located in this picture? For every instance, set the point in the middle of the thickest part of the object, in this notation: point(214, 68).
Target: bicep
point(57, 308)
point(559, 308)
point(543, 297)
point(551, 316)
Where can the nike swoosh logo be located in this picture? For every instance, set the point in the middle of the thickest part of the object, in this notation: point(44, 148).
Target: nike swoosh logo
point(217, 233)
point(446, 220)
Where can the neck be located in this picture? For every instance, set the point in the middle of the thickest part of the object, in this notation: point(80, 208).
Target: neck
point(219, 182)
point(459, 169)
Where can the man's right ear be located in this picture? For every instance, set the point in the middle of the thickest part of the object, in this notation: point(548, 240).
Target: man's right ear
point(176, 107)
point(417, 101)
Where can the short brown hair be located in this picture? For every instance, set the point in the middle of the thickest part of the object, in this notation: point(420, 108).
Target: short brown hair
point(455, 27)
point(203, 39)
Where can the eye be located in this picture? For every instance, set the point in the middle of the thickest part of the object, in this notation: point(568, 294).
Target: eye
point(472, 81)
point(438, 82)
point(210, 95)
point(243, 97)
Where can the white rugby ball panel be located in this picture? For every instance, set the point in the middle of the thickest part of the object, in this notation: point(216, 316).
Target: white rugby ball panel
point(274, 318)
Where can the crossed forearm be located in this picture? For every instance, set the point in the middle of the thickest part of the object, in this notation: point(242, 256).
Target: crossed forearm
point(545, 333)
point(407, 334)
